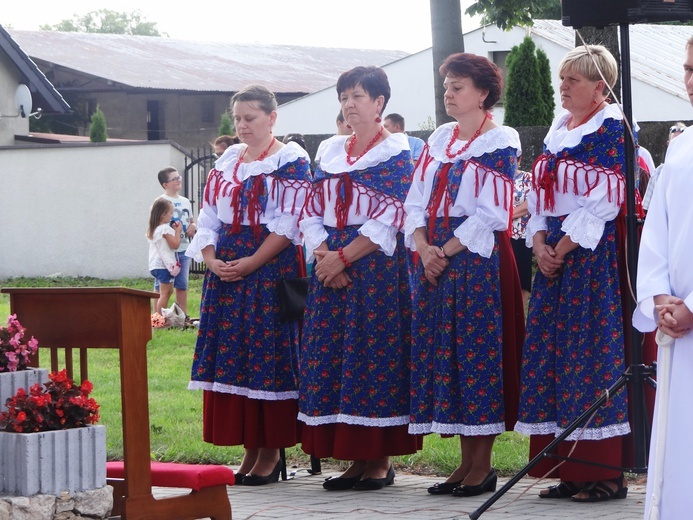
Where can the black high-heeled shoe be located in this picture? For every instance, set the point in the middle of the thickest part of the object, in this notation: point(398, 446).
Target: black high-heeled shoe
point(488, 484)
point(257, 480)
point(371, 484)
point(340, 483)
point(444, 488)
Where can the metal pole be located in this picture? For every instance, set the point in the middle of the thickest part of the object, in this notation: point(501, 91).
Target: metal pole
point(640, 433)
point(618, 385)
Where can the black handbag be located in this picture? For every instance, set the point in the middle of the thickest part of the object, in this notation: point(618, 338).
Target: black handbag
point(292, 297)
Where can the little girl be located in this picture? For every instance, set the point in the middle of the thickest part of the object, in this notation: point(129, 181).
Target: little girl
point(163, 241)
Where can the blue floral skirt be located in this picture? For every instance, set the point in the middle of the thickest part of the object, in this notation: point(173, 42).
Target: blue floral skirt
point(242, 347)
point(355, 359)
point(356, 342)
point(457, 350)
point(574, 348)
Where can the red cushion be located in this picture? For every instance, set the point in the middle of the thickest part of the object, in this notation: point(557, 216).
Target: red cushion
point(171, 474)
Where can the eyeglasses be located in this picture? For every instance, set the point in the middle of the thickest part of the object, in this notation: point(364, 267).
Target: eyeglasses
point(676, 129)
point(175, 179)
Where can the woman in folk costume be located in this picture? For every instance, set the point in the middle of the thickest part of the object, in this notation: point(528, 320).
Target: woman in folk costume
point(246, 359)
point(458, 212)
point(354, 398)
point(574, 347)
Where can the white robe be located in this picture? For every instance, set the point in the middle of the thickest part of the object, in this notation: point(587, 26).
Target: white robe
point(664, 267)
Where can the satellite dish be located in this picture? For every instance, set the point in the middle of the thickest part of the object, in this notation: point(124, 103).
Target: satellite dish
point(22, 99)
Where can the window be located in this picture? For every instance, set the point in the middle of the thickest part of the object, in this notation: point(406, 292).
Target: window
point(498, 58)
point(207, 111)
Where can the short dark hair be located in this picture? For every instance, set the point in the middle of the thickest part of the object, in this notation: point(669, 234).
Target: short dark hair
point(340, 117)
point(484, 74)
point(295, 138)
point(372, 79)
point(163, 174)
point(396, 119)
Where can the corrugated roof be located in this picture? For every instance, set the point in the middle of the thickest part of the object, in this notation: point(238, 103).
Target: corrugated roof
point(656, 51)
point(164, 63)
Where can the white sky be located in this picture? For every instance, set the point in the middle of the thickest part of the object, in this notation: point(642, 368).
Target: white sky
point(367, 24)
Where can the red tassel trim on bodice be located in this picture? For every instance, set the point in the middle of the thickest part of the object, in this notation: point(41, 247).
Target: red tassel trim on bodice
point(545, 177)
point(441, 196)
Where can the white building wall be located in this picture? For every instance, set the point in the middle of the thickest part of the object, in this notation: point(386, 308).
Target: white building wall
point(79, 210)
point(10, 123)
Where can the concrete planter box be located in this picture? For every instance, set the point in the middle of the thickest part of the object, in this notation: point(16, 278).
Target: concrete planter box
point(10, 382)
point(53, 462)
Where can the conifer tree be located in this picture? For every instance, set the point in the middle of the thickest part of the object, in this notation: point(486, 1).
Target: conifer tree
point(546, 87)
point(97, 129)
point(524, 102)
point(226, 126)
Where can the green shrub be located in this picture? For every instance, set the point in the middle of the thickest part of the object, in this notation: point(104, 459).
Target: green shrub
point(525, 97)
point(97, 129)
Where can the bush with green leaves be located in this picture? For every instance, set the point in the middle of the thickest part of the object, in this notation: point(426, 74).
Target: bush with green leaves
point(528, 95)
point(97, 130)
point(226, 126)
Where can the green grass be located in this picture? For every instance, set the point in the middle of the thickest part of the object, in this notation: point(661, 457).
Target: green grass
point(175, 413)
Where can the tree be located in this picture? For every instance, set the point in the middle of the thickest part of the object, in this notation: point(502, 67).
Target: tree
point(507, 14)
point(547, 91)
point(226, 126)
point(97, 130)
point(105, 21)
point(524, 103)
point(446, 32)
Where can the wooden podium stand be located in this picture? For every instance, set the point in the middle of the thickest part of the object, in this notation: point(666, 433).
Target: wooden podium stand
point(108, 317)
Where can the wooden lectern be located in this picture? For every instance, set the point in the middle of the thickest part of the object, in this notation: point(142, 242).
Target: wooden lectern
point(108, 317)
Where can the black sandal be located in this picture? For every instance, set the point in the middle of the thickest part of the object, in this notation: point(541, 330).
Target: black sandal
point(599, 491)
point(562, 490)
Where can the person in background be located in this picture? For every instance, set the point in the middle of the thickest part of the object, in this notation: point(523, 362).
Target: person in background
point(222, 142)
point(664, 289)
point(163, 236)
point(575, 346)
point(295, 138)
point(675, 131)
point(458, 213)
point(354, 398)
point(523, 254)
point(246, 359)
point(394, 123)
point(172, 182)
point(343, 127)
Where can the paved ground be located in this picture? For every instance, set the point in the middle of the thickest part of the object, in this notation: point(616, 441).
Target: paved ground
point(303, 497)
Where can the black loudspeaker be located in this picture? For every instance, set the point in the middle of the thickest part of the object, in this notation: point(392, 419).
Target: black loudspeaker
point(600, 13)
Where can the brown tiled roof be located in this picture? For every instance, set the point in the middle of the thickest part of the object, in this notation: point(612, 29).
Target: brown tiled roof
point(164, 63)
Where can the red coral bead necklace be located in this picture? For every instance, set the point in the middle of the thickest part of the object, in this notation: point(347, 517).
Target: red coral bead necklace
point(456, 134)
point(352, 143)
point(260, 157)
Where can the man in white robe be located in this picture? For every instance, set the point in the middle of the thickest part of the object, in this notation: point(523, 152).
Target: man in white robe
point(665, 301)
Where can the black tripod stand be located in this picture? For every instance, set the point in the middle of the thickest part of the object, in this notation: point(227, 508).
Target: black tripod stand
point(637, 373)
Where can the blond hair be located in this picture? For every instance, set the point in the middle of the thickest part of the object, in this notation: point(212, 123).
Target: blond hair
point(588, 61)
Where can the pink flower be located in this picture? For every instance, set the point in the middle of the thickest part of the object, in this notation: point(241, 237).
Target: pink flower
point(16, 351)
